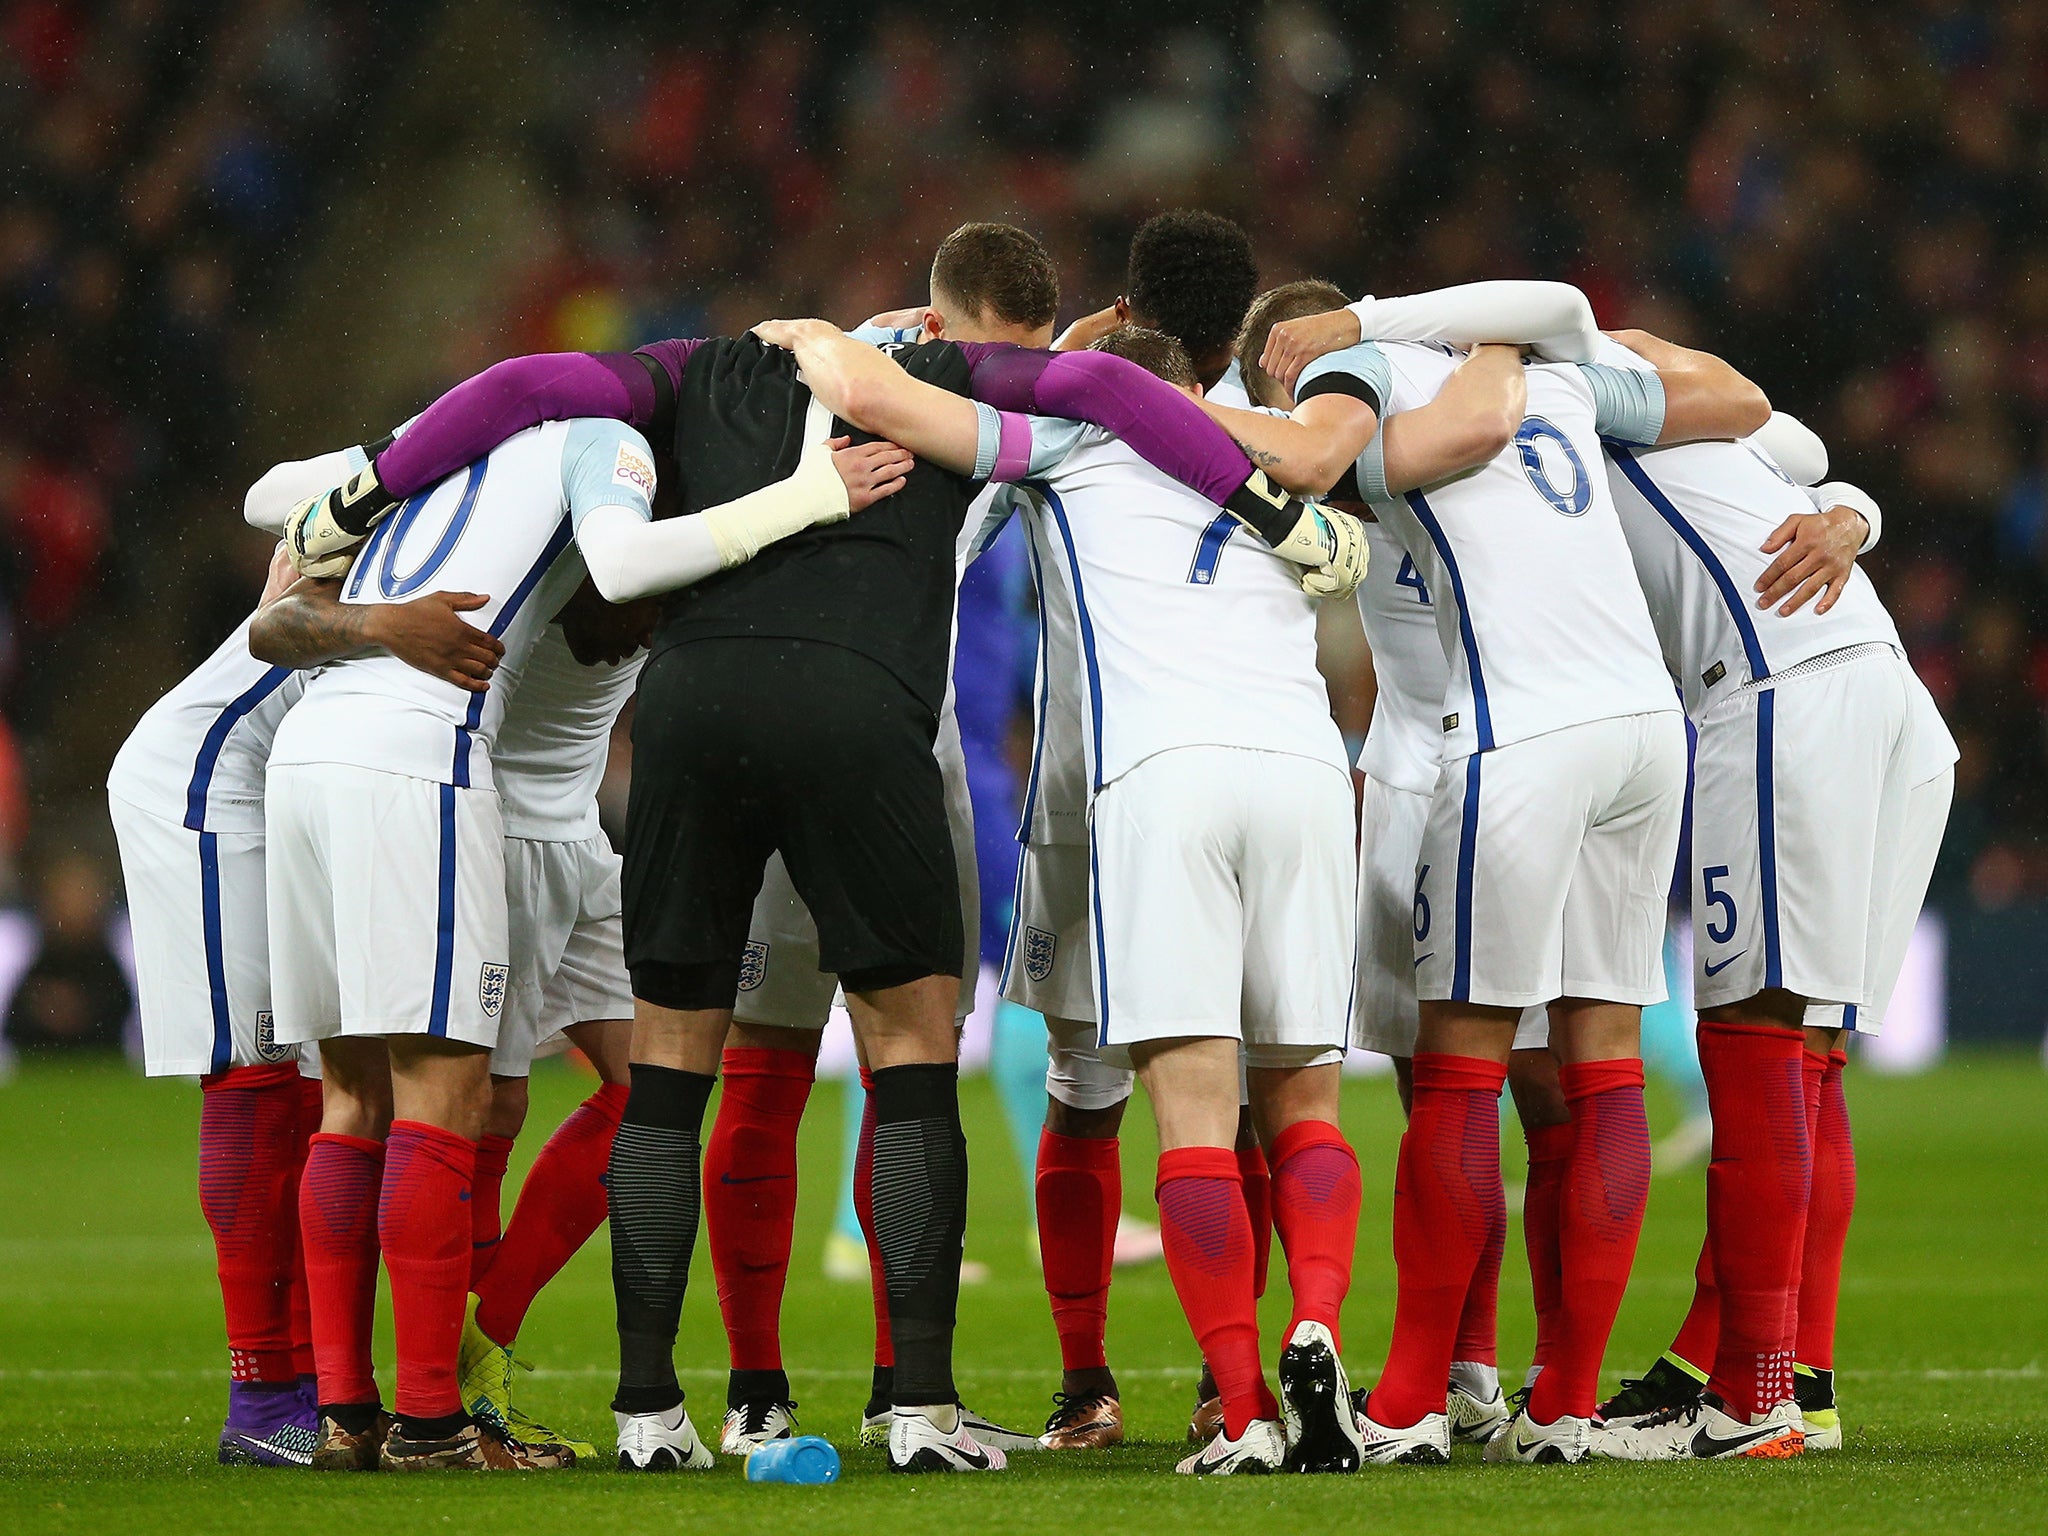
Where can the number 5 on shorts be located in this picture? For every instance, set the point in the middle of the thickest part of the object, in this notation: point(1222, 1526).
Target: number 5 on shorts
point(1720, 932)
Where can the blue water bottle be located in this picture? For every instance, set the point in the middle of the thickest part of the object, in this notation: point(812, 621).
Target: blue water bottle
point(804, 1459)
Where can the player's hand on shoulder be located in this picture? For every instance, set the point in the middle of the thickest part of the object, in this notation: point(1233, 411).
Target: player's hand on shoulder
point(1293, 344)
point(871, 471)
point(429, 633)
point(1350, 554)
point(787, 333)
point(1815, 552)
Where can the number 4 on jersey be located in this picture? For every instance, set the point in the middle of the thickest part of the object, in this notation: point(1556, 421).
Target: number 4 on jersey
point(1408, 576)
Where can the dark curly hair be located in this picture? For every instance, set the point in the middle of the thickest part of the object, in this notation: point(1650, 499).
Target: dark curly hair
point(1192, 276)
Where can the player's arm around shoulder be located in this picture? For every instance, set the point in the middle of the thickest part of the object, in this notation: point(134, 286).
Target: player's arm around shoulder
point(864, 386)
point(1472, 418)
point(609, 479)
point(1701, 397)
point(308, 625)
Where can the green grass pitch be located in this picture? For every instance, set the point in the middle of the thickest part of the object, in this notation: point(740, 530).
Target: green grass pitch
point(111, 1359)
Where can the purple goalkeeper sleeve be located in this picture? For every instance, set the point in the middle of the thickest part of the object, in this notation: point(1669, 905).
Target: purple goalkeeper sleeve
point(1162, 426)
point(478, 414)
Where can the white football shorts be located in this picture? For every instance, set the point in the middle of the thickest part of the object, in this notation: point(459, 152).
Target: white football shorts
point(1819, 803)
point(387, 905)
point(1383, 1015)
point(1046, 966)
point(781, 986)
point(202, 945)
point(568, 951)
point(1225, 883)
point(1546, 865)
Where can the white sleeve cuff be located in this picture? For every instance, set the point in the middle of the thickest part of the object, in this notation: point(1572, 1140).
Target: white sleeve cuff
point(1840, 493)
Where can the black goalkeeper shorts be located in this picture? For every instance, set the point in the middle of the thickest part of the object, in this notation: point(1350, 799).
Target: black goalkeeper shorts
point(746, 747)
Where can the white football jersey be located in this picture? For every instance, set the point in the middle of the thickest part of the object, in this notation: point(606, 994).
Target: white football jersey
point(1396, 604)
point(1230, 388)
point(503, 527)
point(1696, 516)
point(197, 756)
point(1190, 631)
point(551, 747)
point(1538, 607)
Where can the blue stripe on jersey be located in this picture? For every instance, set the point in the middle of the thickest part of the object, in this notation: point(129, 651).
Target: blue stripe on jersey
point(1848, 1015)
point(550, 553)
point(1461, 933)
point(444, 924)
point(217, 738)
point(1101, 952)
point(216, 965)
point(1016, 926)
point(1482, 714)
point(1044, 700)
point(1202, 570)
point(1738, 610)
point(1767, 830)
point(1087, 628)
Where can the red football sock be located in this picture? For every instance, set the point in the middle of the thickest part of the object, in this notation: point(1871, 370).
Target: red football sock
point(427, 1173)
point(338, 1196)
point(1550, 1147)
point(485, 1225)
point(1080, 1189)
point(1699, 1336)
point(750, 1195)
point(561, 1203)
point(1258, 1205)
point(1827, 1221)
point(302, 1306)
point(864, 1209)
point(1757, 1188)
point(1600, 1216)
point(1448, 1203)
point(249, 1156)
point(1315, 1207)
point(1207, 1234)
point(1813, 1070)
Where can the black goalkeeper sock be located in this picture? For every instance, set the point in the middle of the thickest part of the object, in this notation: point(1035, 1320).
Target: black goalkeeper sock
point(657, 1196)
point(920, 1220)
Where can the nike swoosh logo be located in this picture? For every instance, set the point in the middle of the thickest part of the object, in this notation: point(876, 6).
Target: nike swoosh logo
point(1705, 1445)
point(1719, 966)
point(755, 1178)
point(979, 1460)
point(1430, 956)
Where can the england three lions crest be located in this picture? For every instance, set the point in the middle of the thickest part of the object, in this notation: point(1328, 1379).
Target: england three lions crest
point(490, 989)
point(1039, 949)
point(753, 965)
point(267, 1048)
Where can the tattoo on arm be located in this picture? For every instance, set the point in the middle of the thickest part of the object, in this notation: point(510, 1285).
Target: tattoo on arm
point(310, 626)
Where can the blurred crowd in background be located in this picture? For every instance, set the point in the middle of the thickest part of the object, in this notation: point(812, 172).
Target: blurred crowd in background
point(1847, 199)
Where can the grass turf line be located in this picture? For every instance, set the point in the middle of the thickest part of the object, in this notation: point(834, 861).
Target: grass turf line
point(112, 1369)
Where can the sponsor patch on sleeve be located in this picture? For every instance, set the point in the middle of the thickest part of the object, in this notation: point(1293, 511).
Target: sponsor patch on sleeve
point(634, 468)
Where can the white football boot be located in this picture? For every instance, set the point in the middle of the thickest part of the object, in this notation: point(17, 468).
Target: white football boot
point(1261, 1448)
point(1315, 1402)
point(1427, 1442)
point(916, 1444)
point(661, 1442)
point(752, 1425)
point(1705, 1431)
point(1521, 1438)
point(1474, 1403)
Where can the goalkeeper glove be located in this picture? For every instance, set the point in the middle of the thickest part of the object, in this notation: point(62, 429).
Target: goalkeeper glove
point(1331, 543)
point(322, 532)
